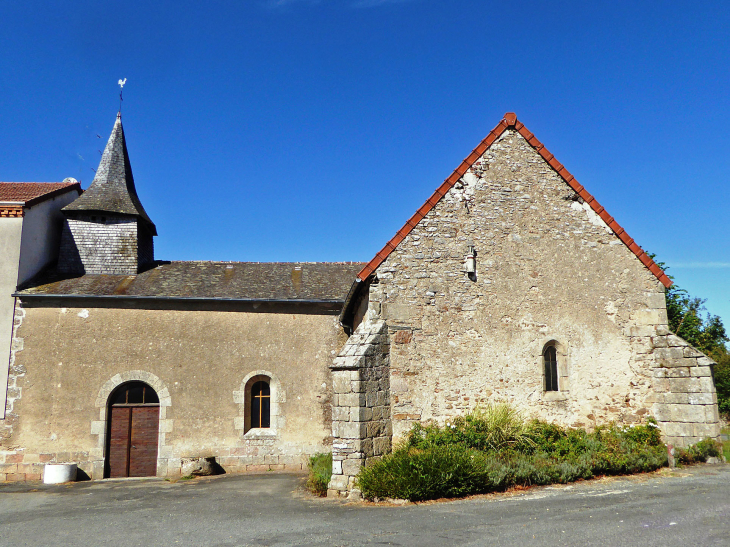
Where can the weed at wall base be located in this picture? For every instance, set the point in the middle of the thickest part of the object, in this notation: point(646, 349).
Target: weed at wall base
point(320, 473)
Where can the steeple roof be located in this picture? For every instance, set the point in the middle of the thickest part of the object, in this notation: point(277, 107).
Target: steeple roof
point(112, 190)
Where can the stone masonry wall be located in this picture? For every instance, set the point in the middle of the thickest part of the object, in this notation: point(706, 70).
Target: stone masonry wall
point(684, 392)
point(13, 466)
point(66, 362)
point(549, 272)
point(361, 426)
point(96, 247)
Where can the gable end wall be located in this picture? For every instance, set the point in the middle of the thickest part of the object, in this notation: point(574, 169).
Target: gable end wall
point(549, 270)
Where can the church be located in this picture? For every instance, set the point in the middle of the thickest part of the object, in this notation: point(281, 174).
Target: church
point(510, 284)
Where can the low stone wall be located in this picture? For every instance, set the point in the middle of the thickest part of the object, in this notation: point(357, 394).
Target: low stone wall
point(361, 425)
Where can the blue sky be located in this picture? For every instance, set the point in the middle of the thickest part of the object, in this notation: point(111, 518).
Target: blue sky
point(311, 130)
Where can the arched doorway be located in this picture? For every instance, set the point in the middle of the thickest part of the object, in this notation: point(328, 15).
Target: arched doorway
point(132, 431)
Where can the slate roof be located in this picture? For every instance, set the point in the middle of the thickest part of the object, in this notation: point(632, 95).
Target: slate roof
point(510, 121)
point(113, 190)
point(265, 281)
point(30, 193)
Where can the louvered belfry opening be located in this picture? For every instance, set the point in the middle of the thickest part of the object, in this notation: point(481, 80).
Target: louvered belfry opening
point(132, 431)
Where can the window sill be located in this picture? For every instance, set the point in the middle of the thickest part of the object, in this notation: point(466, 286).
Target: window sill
point(260, 433)
point(554, 396)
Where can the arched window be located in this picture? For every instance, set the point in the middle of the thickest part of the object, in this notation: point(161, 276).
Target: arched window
point(134, 393)
point(260, 405)
point(550, 359)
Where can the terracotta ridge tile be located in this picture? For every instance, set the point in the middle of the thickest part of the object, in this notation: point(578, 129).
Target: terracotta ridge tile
point(510, 121)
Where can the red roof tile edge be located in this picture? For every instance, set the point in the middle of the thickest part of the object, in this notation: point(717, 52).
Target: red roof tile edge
point(510, 121)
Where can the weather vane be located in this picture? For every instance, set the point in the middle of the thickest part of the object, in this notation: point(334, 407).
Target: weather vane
point(121, 88)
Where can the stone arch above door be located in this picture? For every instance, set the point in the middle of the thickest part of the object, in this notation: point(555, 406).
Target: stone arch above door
point(98, 427)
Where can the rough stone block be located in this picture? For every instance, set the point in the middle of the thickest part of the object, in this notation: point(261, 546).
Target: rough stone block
point(351, 430)
point(642, 330)
point(677, 398)
point(706, 384)
point(341, 413)
point(14, 458)
point(678, 372)
point(642, 344)
point(700, 398)
point(363, 414)
point(30, 468)
point(711, 414)
point(650, 317)
point(687, 413)
point(257, 467)
point(656, 301)
point(381, 446)
point(700, 371)
point(704, 361)
point(662, 412)
point(341, 382)
point(690, 352)
point(338, 483)
point(351, 467)
point(671, 356)
point(703, 431)
point(351, 399)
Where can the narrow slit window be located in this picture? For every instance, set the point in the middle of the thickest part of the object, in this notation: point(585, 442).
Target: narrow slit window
point(551, 368)
point(261, 405)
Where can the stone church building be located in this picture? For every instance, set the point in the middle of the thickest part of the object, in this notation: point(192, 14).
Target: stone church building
point(510, 284)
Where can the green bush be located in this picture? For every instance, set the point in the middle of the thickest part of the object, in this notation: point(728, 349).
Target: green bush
point(699, 452)
point(495, 427)
point(320, 473)
point(495, 448)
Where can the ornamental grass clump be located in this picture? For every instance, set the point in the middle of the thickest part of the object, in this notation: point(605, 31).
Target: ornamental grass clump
point(495, 448)
point(320, 473)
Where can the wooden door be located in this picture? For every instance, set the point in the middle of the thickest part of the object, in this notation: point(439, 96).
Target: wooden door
point(133, 434)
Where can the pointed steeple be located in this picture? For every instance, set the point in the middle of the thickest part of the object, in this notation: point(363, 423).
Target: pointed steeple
point(112, 190)
point(106, 230)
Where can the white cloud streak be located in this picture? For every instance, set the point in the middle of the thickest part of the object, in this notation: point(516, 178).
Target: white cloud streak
point(376, 3)
point(274, 4)
point(700, 265)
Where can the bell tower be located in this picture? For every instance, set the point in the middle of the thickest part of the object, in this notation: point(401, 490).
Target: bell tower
point(106, 230)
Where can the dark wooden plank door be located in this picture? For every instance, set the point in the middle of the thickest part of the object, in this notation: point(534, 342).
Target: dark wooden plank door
point(133, 441)
point(121, 422)
point(143, 445)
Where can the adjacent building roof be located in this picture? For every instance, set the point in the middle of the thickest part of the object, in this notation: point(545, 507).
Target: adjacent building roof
point(113, 190)
point(510, 122)
point(14, 196)
point(29, 193)
point(255, 281)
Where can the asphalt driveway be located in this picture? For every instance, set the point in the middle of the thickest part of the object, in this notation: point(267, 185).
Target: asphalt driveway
point(685, 507)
